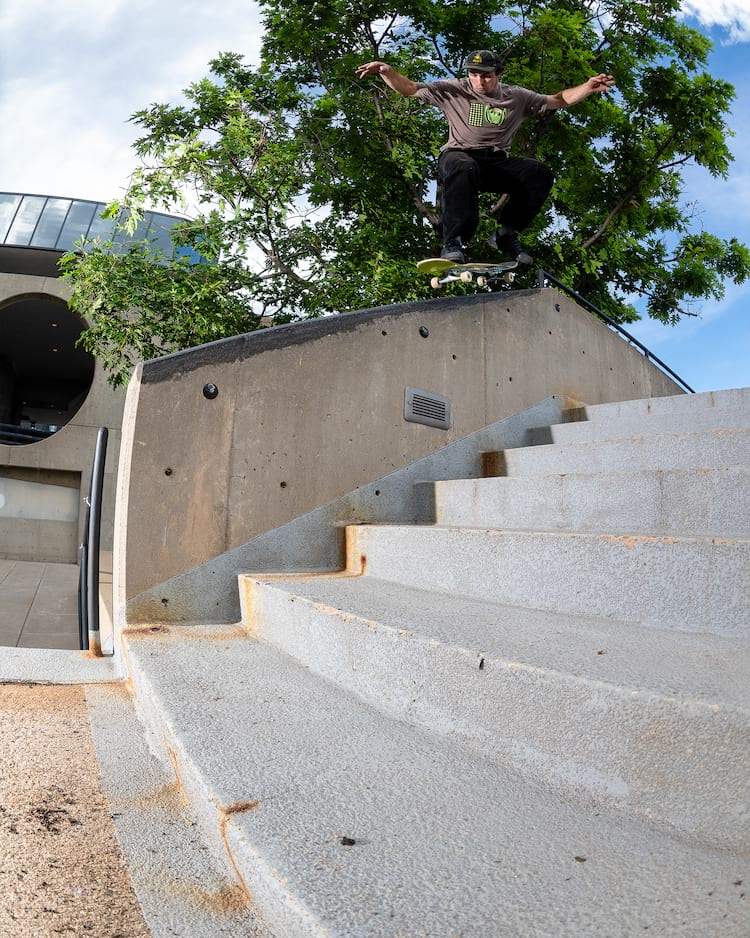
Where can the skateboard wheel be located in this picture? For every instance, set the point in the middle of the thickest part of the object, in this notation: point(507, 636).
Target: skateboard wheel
point(435, 283)
point(481, 281)
point(466, 276)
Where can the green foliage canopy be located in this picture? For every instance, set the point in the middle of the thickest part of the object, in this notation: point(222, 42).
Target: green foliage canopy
point(313, 192)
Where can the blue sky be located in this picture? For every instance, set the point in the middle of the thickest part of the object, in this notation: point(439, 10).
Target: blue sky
point(713, 351)
point(69, 80)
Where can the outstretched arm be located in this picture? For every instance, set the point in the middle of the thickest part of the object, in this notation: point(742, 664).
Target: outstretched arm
point(395, 80)
point(572, 96)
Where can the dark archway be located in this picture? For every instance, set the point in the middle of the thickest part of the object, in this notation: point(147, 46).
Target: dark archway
point(44, 378)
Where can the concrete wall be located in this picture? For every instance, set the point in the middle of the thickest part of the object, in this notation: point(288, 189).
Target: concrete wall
point(70, 450)
point(308, 412)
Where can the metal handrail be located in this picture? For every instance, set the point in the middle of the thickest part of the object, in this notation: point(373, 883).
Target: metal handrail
point(83, 619)
point(88, 595)
point(544, 276)
point(13, 433)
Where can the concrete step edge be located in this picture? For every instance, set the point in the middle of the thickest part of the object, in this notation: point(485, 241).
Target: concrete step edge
point(533, 716)
point(708, 577)
point(696, 441)
point(287, 585)
point(214, 815)
point(622, 427)
point(735, 397)
point(388, 785)
point(701, 449)
point(157, 832)
point(691, 502)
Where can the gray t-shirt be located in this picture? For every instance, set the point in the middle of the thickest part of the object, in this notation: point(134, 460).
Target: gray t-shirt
point(481, 120)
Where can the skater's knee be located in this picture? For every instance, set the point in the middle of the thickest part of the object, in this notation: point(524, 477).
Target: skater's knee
point(541, 173)
point(455, 165)
point(545, 176)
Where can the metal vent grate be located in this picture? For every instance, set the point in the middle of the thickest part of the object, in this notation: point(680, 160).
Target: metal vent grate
point(433, 410)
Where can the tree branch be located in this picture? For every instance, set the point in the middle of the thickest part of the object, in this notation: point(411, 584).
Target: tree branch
point(630, 193)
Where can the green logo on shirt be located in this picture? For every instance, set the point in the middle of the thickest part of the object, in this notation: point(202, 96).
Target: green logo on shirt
point(481, 113)
point(495, 115)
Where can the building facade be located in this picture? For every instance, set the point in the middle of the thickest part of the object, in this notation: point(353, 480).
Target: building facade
point(54, 397)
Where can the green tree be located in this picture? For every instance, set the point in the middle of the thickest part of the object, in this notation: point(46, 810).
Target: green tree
point(315, 193)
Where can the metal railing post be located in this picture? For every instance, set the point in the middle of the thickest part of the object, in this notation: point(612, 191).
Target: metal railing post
point(94, 531)
point(83, 628)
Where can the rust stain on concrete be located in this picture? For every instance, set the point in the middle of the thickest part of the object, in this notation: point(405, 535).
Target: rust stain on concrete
point(168, 797)
point(631, 541)
point(356, 560)
point(230, 898)
point(147, 630)
point(206, 636)
point(240, 807)
point(225, 813)
point(178, 783)
point(494, 464)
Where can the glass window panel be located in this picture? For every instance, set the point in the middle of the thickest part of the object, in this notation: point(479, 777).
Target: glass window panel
point(194, 256)
point(28, 215)
point(160, 233)
point(48, 229)
point(9, 202)
point(138, 235)
point(76, 224)
point(101, 227)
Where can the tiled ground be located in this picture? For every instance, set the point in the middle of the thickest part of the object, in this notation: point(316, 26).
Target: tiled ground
point(38, 604)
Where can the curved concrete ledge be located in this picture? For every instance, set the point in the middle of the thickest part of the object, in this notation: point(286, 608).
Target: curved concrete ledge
point(308, 412)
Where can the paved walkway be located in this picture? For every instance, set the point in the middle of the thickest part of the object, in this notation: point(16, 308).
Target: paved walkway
point(38, 604)
point(61, 869)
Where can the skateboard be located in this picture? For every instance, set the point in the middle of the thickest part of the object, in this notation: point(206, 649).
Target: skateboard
point(444, 271)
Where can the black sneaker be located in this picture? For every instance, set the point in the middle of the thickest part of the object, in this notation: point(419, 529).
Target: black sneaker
point(453, 251)
point(506, 241)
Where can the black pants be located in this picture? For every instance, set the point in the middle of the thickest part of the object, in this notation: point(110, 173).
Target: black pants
point(463, 174)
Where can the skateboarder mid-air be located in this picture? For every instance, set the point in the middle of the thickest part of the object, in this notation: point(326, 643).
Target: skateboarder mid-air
point(483, 116)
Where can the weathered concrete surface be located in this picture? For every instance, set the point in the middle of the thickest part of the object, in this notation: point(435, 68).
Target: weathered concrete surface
point(687, 584)
point(209, 593)
point(590, 704)
point(646, 502)
point(308, 412)
point(61, 870)
point(347, 822)
point(183, 888)
point(449, 714)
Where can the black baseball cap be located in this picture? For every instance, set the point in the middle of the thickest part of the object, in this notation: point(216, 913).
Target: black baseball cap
point(483, 61)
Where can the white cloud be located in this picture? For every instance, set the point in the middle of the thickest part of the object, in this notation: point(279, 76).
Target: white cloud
point(70, 81)
point(731, 15)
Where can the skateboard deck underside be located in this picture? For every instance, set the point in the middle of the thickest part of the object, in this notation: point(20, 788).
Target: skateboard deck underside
point(445, 271)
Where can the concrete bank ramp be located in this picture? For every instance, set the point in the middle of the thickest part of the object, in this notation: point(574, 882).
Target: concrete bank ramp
point(510, 717)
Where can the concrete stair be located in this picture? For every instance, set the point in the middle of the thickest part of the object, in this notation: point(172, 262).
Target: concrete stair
point(515, 719)
point(649, 500)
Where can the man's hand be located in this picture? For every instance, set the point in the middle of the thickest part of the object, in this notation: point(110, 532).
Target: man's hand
point(600, 83)
point(572, 96)
point(390, 76)
point(370, 68)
